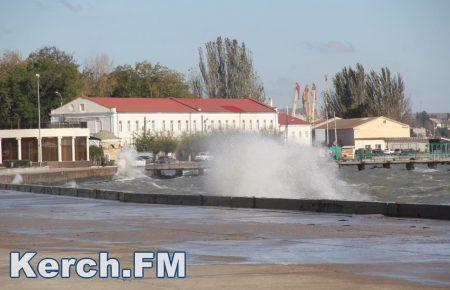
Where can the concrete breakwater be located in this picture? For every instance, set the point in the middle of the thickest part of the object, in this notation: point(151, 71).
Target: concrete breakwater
point(56, 174)
point(314, 205)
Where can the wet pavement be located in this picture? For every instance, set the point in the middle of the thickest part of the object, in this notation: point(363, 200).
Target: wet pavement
point(407, 249)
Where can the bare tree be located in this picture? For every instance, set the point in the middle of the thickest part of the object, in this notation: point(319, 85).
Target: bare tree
point(95, 76)
point(227, 71)
point(195, 83)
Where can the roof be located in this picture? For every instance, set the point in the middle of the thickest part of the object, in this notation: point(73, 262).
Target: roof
point(134, 105)
point(178, 105)
point(284, 119)
point(225, 105)
point(346, 123)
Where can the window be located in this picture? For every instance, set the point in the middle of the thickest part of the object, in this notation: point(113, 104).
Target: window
point(195, 126)
point(81, 107)
point(187, 125)
point(299, 134)
point(265, 124)
point(306, 134)
point(153, 125)
point(234, 124)
point(271, 124)
point(137, 125)
point(243, 124)
point(179, 125)
point(129, 126)
point(212, 124)
point(164, 125)
point(72, 108)
point(171, 125)
point(120, 126)
point(226, 124)
point(377, 146)
point(251, 125)
point(257, 124)
point(220, 125)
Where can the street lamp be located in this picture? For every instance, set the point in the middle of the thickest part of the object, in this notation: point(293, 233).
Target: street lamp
point(39, 122)
point(60, 97)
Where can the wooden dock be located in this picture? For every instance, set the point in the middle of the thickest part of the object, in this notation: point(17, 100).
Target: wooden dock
point(387, 162)
point(158, 169)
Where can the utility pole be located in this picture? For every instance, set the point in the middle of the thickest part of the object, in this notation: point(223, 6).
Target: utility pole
point(39, 123)
point(335, 129)
point(326, 110)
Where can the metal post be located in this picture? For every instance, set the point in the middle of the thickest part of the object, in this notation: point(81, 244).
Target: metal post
point(39, 123)
point(335, 129)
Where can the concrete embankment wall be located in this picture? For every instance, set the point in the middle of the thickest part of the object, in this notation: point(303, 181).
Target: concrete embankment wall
point(314, 205)
point(61, 175)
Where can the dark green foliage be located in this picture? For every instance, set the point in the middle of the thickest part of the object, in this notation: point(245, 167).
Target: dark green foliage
point(95, 153)
point(147, 80)
point(17, 163)
point(59, 72)
point(18, 85)
point(358, 94)
point(155, 142)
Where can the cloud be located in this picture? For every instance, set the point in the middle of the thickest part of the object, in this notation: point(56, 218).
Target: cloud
point(72, 7)
point(332, 46)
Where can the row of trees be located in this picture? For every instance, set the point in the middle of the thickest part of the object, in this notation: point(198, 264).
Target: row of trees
point(188, 145)
point(360, 94)
point(62, 79)
point(226, 71)
point(141, 80)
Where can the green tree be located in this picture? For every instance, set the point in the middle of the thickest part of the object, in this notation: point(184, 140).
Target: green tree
point(227, 71)
point(155, 142)
point(357, 94)
point(191, 144)
point(17, 109)
point(147, 80)
point(386, 96)
point(349, 95)
point(58, 73)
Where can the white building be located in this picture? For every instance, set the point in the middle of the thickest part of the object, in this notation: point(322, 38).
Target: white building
point(295, 129)
point(126, 117)
point(45, 145)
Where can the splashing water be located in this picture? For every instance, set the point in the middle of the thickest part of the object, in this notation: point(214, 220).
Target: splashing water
point(255, 165)
point(17, 179)
point(126, 165)
point(71, 184)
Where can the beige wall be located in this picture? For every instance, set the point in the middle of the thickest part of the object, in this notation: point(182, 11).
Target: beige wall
point(382, 128)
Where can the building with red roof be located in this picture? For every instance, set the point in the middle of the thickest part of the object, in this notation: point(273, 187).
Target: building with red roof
point(126, 117)
point(295, 129)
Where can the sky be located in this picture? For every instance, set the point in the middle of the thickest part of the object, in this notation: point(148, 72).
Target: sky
point(290, 41)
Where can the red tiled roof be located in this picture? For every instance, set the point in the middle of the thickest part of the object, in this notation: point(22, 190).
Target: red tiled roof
point(134, 105)
point(182, 105)
point(226, 105)
point(291, 120)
